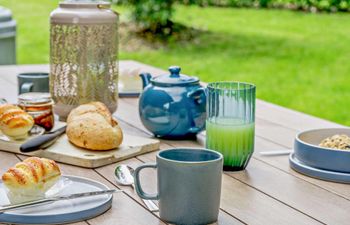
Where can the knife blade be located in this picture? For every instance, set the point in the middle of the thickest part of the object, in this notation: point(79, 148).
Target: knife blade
point(56, 198)
point(42, 141)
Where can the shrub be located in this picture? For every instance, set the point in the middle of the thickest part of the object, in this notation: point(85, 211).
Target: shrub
point(152, 15)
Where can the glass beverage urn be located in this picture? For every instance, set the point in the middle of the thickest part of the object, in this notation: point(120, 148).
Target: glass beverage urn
point(83, 55)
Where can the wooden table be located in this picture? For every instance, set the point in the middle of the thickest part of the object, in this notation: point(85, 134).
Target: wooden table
point(267, 192)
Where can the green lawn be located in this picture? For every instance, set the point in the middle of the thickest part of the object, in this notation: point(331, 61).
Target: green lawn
point(296, 60)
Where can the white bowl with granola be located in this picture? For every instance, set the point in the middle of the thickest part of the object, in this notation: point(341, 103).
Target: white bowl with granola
point(326, 149)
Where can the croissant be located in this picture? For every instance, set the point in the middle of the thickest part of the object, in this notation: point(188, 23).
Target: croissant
point(30, 179)
point(91, 126)
point(14, 122)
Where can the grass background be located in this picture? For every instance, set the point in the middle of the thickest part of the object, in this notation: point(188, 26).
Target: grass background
point(298, 60)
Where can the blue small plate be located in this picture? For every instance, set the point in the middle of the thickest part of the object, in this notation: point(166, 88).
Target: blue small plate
point(327, 175)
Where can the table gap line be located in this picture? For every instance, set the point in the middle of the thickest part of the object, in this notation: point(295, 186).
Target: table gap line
point(223, 210)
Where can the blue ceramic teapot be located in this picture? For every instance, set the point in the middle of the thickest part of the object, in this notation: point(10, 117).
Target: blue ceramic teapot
point(172, 105)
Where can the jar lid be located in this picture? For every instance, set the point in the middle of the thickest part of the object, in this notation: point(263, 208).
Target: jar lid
point(34, 98)
point(174, 78)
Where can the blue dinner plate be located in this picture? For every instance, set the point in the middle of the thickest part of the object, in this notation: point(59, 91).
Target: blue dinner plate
point(66, 211)
point(328, 175)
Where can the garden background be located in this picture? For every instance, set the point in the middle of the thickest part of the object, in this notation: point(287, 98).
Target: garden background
point(297, 58)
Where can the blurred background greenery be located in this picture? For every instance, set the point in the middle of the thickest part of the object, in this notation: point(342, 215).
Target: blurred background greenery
point(296, 58)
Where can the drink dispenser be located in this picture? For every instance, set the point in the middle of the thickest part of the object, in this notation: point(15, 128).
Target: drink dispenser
point(83, 55)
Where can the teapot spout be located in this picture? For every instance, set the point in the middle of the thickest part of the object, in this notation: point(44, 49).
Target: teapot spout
point(146, 78)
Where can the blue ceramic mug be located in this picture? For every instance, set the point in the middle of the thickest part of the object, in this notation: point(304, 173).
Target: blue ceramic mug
point(33, 82)
point(189, 185)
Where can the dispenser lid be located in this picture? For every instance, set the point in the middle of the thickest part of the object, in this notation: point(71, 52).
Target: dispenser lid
point(84, 12)
point(174, 78)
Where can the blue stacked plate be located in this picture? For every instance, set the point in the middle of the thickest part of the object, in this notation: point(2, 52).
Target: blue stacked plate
point(319, 162)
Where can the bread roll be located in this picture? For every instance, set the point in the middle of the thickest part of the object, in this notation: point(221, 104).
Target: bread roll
point(30, 179)
point(91, 126)
point(94, 107)
point(14, 122)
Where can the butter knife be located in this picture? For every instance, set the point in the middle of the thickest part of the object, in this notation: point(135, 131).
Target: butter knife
point(42, 141)
point(56, 198)
point(276, 152)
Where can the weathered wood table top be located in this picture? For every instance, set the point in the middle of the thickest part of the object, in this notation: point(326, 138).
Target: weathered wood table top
point(267, 192)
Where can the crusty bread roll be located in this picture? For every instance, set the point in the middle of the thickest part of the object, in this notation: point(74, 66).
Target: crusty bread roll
point(94, 107)
point(14, 122)
point(30, 179)
point(91, 126)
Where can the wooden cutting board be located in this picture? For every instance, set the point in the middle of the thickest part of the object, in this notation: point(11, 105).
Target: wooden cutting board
point(63, 151)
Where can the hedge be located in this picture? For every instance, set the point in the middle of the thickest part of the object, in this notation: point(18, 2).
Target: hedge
point(155, 15)
point(305, 5)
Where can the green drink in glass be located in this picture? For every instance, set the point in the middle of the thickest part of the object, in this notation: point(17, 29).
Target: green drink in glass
point(230, 124)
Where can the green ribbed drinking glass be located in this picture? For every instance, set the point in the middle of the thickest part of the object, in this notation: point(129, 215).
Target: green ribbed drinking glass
point(230, 122)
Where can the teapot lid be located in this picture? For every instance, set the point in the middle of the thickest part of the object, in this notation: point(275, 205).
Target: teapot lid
point(174, 78)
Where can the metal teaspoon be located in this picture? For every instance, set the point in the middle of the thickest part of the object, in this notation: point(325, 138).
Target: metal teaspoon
point(123, 174)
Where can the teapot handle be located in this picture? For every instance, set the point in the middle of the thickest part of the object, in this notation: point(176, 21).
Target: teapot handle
point(202, 98)
point(194, 93)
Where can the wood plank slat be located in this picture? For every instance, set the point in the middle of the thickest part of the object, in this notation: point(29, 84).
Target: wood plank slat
point(282, 163)
point(290, 118)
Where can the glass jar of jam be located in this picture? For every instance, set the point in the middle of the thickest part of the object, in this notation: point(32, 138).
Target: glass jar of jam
point(39, 106)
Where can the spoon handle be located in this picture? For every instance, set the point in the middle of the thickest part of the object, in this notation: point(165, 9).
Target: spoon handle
point(151, 205)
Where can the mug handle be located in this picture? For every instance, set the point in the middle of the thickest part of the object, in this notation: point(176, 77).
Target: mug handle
point(138, 187)
point(26, 87)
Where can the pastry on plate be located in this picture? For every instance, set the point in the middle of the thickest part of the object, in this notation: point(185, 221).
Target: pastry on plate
point(14, 122)
point(30, 179)
point(91, 126)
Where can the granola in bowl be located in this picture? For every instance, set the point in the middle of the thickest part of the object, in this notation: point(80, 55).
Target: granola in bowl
point(338, 141)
